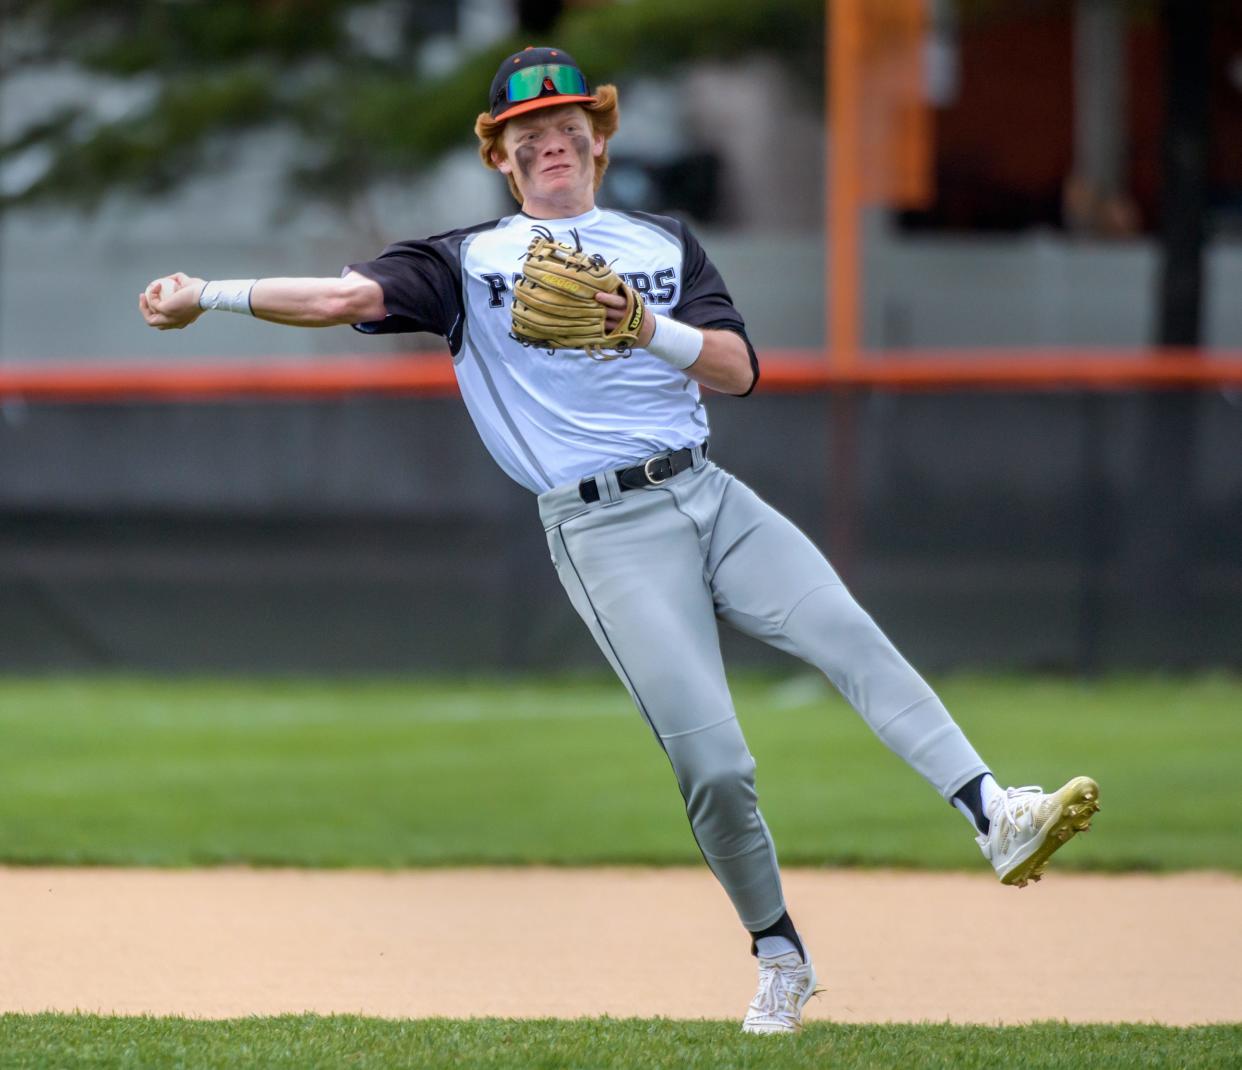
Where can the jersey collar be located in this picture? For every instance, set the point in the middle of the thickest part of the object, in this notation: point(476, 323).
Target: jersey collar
point(586, 219)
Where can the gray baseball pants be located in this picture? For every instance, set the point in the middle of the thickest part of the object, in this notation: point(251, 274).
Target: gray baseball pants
point(650, 571)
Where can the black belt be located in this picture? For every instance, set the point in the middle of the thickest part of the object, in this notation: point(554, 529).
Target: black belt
point(651, 473)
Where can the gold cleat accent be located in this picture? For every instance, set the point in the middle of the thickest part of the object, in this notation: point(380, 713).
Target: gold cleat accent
point(1054, 820)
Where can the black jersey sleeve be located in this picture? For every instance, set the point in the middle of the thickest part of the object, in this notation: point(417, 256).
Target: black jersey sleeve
point(704, 297)
point(421, 281)
point(705, 301)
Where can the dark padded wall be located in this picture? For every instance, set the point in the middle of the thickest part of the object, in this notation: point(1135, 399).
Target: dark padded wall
point(374, 534)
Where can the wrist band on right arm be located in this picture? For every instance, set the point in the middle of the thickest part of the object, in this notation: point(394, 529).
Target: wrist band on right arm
point(227, 295)
point(675, 343)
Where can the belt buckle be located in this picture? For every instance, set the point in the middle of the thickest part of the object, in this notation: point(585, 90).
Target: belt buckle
point(647, 469)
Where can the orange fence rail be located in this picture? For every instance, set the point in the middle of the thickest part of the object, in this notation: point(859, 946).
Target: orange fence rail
point(783, 371)
point(1011, 369)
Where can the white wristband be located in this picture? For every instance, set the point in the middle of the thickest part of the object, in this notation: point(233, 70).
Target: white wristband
point(227, 295)
point(676, 343)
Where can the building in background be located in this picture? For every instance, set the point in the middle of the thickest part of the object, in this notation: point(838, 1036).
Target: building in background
point(1046, 127)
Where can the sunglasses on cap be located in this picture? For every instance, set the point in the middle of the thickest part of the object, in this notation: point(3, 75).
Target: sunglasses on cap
point(530, 83)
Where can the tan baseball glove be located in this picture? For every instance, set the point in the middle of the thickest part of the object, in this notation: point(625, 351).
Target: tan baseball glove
point(554, 304)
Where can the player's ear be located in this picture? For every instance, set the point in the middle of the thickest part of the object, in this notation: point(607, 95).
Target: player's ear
point(598, 144)
point(502, 163)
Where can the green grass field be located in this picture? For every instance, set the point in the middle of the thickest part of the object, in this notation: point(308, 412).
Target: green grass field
point(401, 773)
point(66, 1041)
point(414, 773)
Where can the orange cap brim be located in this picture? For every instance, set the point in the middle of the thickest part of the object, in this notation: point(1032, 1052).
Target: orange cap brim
point(541, 102)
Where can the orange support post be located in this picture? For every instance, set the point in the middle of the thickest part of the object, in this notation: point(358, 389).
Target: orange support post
point(842, 143)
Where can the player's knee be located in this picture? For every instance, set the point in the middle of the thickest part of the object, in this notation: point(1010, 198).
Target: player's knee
point(737, 771)
point(726, 783)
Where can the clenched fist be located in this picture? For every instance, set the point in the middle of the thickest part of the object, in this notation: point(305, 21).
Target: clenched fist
point(171, 303)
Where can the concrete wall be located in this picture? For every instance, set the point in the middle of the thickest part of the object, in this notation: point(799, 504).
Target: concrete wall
point(73, 296)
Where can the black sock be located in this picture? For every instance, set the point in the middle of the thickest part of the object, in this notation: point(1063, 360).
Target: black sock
point(970, 796)
point(783, 926)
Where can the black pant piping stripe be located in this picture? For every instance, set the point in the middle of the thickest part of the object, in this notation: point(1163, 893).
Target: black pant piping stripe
point(642, 708)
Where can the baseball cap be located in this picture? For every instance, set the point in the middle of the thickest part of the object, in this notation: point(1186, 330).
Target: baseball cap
point(537, 78)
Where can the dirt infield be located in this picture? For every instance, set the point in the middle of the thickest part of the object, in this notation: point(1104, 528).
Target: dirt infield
point(534, 942)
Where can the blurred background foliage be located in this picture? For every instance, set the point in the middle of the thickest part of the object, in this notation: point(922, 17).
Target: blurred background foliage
point(204, 71)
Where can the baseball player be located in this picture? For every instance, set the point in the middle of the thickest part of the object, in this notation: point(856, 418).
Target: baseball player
point(653, 542)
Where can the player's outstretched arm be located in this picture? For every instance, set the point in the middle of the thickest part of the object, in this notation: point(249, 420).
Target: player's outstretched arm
point(175, 301)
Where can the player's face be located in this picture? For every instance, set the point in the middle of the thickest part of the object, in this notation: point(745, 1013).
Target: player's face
point(551, 152)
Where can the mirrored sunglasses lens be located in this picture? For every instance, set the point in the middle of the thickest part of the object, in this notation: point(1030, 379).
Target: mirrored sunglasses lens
point(567, 80)
point(527, 84)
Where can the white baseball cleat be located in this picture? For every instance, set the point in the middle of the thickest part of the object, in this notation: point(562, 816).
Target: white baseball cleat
point(786, 984)
point(1027, 826)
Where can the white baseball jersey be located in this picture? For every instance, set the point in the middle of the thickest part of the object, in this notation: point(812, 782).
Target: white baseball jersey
point(553, 418)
